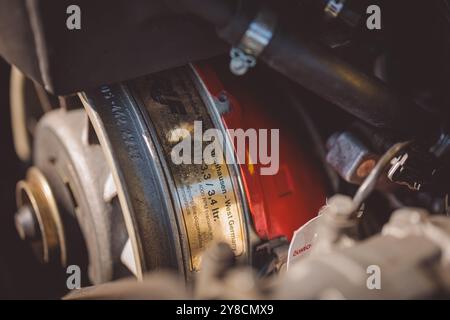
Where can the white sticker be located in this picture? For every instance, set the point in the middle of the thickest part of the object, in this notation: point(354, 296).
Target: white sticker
point(303, 241)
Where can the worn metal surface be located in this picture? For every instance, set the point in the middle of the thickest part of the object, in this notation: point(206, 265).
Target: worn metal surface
point(204, 193)
point(164, 203)
point(75, 166)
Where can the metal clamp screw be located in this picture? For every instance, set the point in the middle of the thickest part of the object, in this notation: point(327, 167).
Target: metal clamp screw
point(334, 8)
point(253, 43)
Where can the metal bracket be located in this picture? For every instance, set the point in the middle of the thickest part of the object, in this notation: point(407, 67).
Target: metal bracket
point(253, 43)
point(334, 8)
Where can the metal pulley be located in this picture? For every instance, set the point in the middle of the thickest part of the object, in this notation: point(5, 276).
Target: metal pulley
point(38, 219)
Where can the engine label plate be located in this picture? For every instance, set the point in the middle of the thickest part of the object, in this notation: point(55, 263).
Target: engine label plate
point(205, 193)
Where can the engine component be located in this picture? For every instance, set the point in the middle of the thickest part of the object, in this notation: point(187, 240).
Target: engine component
point(350, 157)
point(210, 201)
point(370, 182)
point(348, 11)
point(122, 184)
point(165, 232)
point(334, 8)
point(414, 168)
point(18, 95)
point(338, 227)
point(337, 222)
point(309, 65)
point(298, 183)
point(125, 201)
point(68, 154)
point(252, 44)
point(376, 268)
point(343, 273)
point(38, 219)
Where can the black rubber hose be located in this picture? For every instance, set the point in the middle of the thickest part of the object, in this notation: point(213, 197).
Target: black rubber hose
point(340, 83)
point(314, 68)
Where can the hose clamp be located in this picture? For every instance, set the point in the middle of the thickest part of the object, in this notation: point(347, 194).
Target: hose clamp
point(256, 38)
point(334, 8)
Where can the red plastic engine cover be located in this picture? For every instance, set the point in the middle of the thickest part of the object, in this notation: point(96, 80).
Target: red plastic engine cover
point(280, 203)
